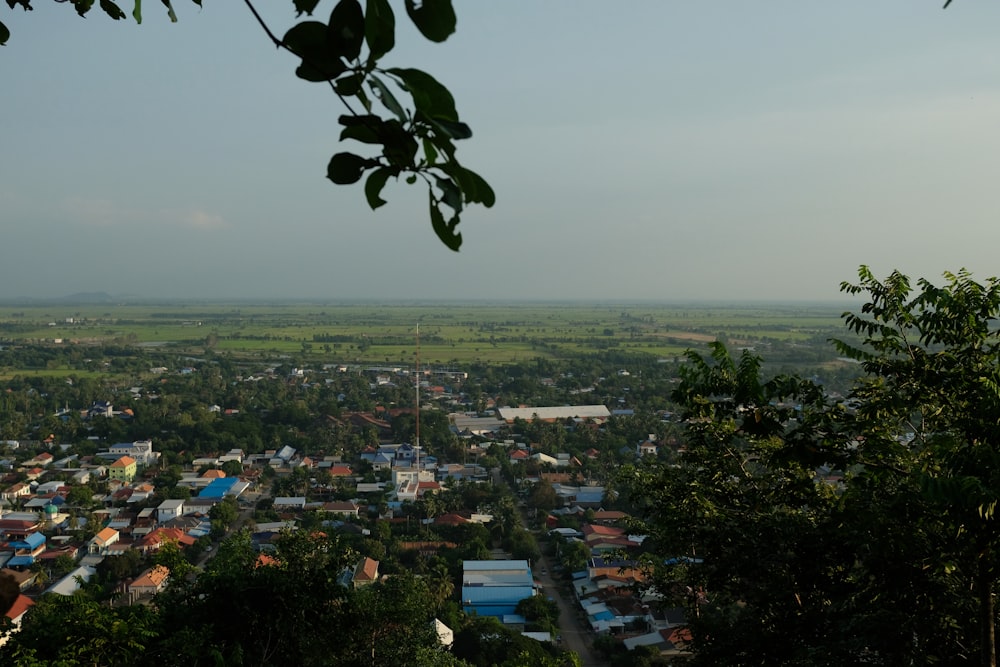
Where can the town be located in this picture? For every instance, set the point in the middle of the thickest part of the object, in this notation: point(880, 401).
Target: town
point(181, 504)
point(508, 510)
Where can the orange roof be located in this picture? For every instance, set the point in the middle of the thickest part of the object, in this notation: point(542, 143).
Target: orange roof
point(21, 605)
point(451, 519)
point(123, 462)
point(106, 535)
point(161, 535)
point(367, 570)
point(601, 531)
point(154, 577)
point(213, 474)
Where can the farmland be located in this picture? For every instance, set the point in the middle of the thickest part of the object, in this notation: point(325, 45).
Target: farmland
point(449, 333)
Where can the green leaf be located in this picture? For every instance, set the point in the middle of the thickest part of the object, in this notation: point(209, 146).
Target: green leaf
point(309, 41)
point(346, 168)
point(474, 187)
point(348, 85)
point(429, 96)
point(137, 11)
point(387, 98)
point(170, 10)
point(83, 6)
point(373, 186)
point(365, 135)
point(451, 194)
point(380, 28)
point(112, 10)
point(430, 152)
point(4, 34)
point(435, 19)
point(347, 29)
point(455, 130)
point(445, 230)
point(399, 146)
point(305, 6)
point(348, 120)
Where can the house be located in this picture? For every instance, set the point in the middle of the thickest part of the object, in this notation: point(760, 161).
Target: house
point(156, 539)
point(519, 455)
point(344, 508)
point(72, 581)
point(123, 469)
point(100, 409)
point(24, 578)
point(14, 615)
point(494, 587)
point(169, 509)
point(26, 550)
point(365, 573)
point(42, 460)
point(18, 490)
point(648, 447)
point(150, 582)
point(101, 543)
point(140, 450)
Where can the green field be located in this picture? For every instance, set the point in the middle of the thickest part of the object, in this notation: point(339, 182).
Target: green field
point(448, 332)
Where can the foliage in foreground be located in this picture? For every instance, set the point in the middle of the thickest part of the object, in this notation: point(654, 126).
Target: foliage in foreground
point(804, 530)
point(286, 609)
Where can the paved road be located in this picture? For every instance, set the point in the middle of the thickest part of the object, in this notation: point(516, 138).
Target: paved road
point(576, 634)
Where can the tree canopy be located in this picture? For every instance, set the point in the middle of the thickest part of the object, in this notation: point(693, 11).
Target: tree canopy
point(801, 527)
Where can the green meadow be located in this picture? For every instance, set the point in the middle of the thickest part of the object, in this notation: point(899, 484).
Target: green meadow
point(448, 332)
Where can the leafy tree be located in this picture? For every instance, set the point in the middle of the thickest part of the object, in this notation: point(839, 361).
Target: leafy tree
point(75, 630)
point(933, 359)
point(540, 612)
point(742, 518)
point(406, 116)
point(9, 590)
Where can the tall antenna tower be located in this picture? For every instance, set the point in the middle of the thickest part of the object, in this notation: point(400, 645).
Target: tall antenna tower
point(417, 383)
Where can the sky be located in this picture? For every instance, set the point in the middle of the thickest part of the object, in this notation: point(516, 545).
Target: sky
point(644, 150)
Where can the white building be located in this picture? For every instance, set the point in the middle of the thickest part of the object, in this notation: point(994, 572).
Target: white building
point(169, 509)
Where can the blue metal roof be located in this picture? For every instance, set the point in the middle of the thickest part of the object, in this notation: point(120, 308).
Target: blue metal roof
point(20, 561)
point(218, 488)
point(32, 542)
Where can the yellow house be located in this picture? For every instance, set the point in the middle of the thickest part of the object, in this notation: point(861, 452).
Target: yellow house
point(123, 469)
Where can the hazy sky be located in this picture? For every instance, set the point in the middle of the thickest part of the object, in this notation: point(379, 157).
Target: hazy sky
point(657, 150)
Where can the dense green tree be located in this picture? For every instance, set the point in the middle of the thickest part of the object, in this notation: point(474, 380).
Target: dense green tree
point(930, 406)
point(742, 518)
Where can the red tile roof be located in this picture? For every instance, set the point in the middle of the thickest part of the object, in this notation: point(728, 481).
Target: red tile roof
point(367, 570)
point(21, 605)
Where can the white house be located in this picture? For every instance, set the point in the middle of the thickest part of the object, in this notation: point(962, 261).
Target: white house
point(169, 509)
